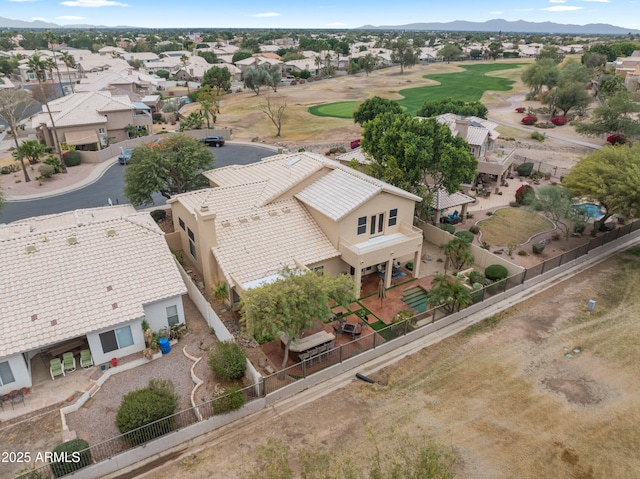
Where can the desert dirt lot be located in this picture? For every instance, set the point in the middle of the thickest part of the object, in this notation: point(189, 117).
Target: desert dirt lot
point(502, 395)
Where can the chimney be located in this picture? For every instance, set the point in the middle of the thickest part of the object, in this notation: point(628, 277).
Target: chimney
point(462, 125)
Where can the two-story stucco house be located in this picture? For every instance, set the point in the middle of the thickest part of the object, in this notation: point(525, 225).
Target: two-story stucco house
point(297, 210)
point(85, 279)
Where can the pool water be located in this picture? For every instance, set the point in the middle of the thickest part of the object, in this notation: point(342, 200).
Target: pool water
point(589, 210)
point(416, 297)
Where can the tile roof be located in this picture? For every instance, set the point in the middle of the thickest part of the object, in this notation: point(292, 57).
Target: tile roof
point(355, 154)
point(63, 279)
point(443, 200)
point(82, 108)
point(477, 131)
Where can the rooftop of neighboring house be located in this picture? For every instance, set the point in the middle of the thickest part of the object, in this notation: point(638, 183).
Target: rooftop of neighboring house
point(67, 274)
point(86, 107)
point(472, 129)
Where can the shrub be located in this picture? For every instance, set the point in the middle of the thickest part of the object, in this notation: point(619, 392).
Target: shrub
point(538, 248)
point(75, 459)
point(231, 399)
point(158, 215)
point(229, 361)
point(522, 253)
point(476, 277)
point(55, 162)
point(529, 120)
point(465, 236)
point(525, 195)
point(525, 169)
point(514, 204)
point(538, 136)
point(47, 170)
point(474, 229)
point(144, 406)
point(72, 158)
point(448, 228)
point(496, 272)
point(579, 227)
point(489, 213)
point(616, 139)
point(157, 117)
point(409, 265)
point(521, 109)
point(559, 120)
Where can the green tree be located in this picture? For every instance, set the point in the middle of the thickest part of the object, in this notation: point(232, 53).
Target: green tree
point(594, 60)
point(567, 96)
point(610, 176)
point(372, 107)
point(263, 76)
point(367, 63)
point(163, 74)
point(240, 55)
point(14, 107)
point(540, 74)
point(218, 78)
point(51, 39)
point(209, 57)
point(39, 67)
point(292, 302)
point(550, 52)
point(70, 62)
point(458, 250)
point(32, 150)
point(617, 116)
point(412, 154)
point(449, 105)
point(404, 54)
point(449, 52)
point(556, 204)
point(172, 167)
point(449, 293)
point(495, 49)
point(476, 54)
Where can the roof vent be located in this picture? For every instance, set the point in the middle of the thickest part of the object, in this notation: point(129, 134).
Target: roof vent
point(204, 208)
point(109, 288)
point(72, 240)
point(226, 223)
point(273, 213)
point(54, 322)
point(243, 220)
point(44, 239)
point(110, 233)
point(114, 306)
point(255, 217)
point(286, 210)
point(34, 317)
point(293, 161)
point(31, 248)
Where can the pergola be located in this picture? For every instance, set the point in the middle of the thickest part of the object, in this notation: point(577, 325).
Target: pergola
point(443, 200)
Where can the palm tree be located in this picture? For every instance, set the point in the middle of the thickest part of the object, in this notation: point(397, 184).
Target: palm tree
point(209, 109)
point(327, 60)
point(318, 61)
point(451, 294)
point(184, 59)
point(69, 62)
point(51, 37)
point(458, 251)
point(39, 67)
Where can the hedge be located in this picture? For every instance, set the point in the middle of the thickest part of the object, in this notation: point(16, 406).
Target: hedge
point(525, 169)
point(72, 458)
point(496, 272)
point(448, 228)
point(465, 236)
point(72, 158)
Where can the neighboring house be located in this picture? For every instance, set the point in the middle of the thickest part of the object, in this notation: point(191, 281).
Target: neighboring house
point(632, 80)
point(481, 135)
point(627, 65)
point(308, 64)
point(356, 154)
point(129, 82)
point(297, 210)
point(88, 119)
point(85, 279)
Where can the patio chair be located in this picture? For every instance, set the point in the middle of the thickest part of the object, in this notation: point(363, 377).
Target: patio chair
point(86, 360)
point(69, 362)
point(55, 368)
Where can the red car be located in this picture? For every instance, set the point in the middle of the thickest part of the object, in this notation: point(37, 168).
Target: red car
point(355, 143)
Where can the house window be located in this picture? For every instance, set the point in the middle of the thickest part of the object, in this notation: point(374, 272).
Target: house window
point(379, 221)
point(191, 235)
point(192, 248)
point(172, 315)
point(373, 224)
point(362, 225)
point(102, 131)
point(318, 269)
point(6, 376)
point(116, 339)
point(181, 223)
point(393, 217)
point(472, 149)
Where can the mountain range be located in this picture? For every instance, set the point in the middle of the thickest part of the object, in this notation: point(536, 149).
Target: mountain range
point(19, 24)
point(500, 25)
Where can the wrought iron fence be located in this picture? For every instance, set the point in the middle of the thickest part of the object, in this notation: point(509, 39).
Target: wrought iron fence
point(269, 384)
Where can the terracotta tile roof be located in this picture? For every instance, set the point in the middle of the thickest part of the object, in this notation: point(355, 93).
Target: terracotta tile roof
point(61, 280)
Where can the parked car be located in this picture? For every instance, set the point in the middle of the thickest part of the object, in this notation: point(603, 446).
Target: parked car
point(125, 156)
point(355, 143)
point(216, 141)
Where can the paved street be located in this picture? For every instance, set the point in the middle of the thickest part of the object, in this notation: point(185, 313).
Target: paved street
point(111, 185)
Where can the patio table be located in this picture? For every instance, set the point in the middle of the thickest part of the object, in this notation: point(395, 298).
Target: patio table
point(308, 342)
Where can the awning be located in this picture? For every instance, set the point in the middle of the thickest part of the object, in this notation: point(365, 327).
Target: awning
point(84, 137)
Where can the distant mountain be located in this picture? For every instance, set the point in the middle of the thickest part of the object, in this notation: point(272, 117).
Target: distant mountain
point(19, 24)
point(520, 26)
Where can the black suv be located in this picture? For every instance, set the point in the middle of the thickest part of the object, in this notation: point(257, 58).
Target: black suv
point(216, 141)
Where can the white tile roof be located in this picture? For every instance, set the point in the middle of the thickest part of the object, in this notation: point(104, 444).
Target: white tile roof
point(63, 279)
point(355, 154)
point(477, 131)
point(82, 108)
point(443, 200)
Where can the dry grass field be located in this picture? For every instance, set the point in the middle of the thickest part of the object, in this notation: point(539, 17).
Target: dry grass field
point(503, 395)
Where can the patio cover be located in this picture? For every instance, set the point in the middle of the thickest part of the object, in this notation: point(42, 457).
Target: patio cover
point(83, 137)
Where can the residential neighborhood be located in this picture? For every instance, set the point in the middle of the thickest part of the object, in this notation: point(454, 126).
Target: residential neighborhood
point(367, 239)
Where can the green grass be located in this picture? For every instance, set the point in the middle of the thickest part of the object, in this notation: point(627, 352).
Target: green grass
point(468, 85)
point(341, 109)
point(512, 225)
point(383, 330)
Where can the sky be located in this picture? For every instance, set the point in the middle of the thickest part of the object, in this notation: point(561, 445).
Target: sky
point(316, 13)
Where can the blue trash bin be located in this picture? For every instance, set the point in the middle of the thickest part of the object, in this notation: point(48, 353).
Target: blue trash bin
point(165, 347)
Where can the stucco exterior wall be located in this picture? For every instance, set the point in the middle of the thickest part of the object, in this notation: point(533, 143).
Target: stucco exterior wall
point(20, 373)
point(96, 346)
point(156, 313)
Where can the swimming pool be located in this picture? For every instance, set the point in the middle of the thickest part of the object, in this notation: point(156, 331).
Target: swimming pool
point(416, 297)
point(589, 210)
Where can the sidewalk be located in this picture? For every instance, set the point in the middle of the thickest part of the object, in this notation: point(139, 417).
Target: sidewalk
point(76, 178)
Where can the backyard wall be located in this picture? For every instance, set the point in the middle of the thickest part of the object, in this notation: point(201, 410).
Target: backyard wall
point(483, 258)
